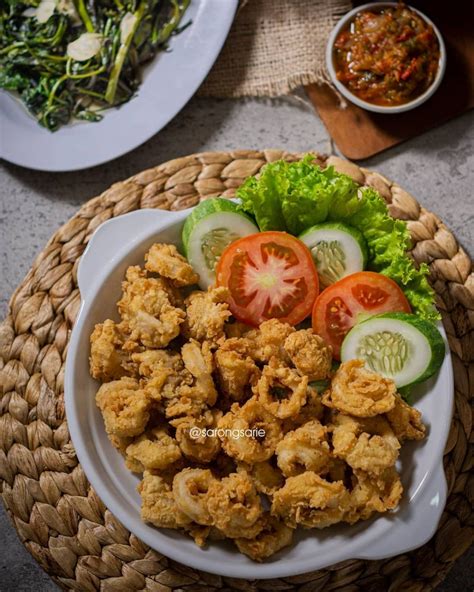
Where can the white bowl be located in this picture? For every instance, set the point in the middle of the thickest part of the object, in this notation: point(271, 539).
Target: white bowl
point(365, 104)
point(123, 241)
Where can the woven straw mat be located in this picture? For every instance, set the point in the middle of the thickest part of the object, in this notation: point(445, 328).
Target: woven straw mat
point(60, 519)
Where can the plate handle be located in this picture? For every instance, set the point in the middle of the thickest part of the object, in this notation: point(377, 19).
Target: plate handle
point(429, 509)
point(113, 238)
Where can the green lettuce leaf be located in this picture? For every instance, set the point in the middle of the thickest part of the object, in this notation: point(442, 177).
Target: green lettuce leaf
point(295, 196)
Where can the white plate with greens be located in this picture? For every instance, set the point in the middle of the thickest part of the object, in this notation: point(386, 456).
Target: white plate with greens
point(169, 81)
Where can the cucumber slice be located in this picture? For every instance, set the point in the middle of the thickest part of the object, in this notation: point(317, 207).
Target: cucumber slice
point(212, 225)
point(338, 250)
point(397, 345)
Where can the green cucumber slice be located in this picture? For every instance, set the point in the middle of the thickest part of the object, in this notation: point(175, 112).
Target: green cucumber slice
point(397, 345)
point(337, 249)
point(211, 226)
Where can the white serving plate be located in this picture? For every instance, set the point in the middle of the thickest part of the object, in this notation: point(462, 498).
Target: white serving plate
point(123, 241)
point(170, 80)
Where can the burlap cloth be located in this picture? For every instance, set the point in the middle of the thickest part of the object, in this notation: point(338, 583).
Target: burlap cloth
point(274, 46)
point(60, 518)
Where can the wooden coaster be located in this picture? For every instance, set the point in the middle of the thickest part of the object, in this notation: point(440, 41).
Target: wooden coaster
point(359, 134)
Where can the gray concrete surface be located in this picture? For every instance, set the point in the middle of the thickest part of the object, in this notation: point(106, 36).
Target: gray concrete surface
point(438, 168)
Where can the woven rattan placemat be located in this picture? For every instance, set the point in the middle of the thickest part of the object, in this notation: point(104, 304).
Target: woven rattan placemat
point(59, 517)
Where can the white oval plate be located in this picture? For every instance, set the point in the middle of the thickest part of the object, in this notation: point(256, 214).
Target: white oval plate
point(170, 81)
point(123, 241)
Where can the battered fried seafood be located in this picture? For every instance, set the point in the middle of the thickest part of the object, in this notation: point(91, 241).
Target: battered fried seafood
point(107, 359)
point(358, 391)
point(365, 443)
point(152, 450)
point(206, 314)
point(305, 449)
point(125, 407)
point(274, 536)
point(235, 506)
point(225, 422)
point(250, 433)
point(310, 501)
point(166, 261)
point(147, 313)
point(405, 421)
point(158, 503)
point(309, 354)
point(281, 390)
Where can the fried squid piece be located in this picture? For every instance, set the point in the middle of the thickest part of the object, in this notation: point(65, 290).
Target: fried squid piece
point(206, 314)
point(107, 360)
point(309, 354)
point(266, 477)
point(267, 341)
point(310, 501)
point(357, 391)
point(371, 495)
point(198, 360)
point(305, 449)
point(147, 312)
point(236, 370)
point(191, 492)
point(158, 504)
point(273, 537)
point(251, 433)
point(368, 444)
point(312, 409)
point(405, 421)
point(235, 506)
point(124, 406)
point(153, 450)
point(195, 437)
point(153, 361)
point(281, 390)
point(169, 263)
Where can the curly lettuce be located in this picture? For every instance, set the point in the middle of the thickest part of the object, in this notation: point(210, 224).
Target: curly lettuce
point(295, 196)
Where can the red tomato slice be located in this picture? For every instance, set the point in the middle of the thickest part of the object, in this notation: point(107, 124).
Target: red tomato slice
point(337, 308)
point(269, 275)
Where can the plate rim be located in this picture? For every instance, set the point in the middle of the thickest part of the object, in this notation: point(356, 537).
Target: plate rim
point(228, 10)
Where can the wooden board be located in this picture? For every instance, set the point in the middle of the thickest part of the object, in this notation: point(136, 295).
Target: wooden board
point(359, 134)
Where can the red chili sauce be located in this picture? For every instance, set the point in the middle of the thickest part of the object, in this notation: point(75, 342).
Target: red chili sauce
point(387, 57)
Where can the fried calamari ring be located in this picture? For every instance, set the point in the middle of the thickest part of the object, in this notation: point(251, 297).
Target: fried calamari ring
point(194, 438)
point(235, 506)
point(368, 443)
point(281, 390)
point(124, 406)
point(310, 501)
point(190, 490)
point(266, 477)
point(357, 391)
point(274, 536)
point(305, 449)
point(249, 433)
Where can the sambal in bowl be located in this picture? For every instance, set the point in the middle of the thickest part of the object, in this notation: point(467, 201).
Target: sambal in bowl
point(386, 57)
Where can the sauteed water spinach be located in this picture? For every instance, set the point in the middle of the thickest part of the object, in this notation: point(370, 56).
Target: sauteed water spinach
point(72, 59)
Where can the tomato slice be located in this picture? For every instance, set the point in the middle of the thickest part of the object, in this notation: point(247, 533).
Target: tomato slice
point(269, 275)
point(338, 307)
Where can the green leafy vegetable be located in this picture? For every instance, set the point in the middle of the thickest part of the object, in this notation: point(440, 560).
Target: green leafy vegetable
point(294, 196)
point(57, 83)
